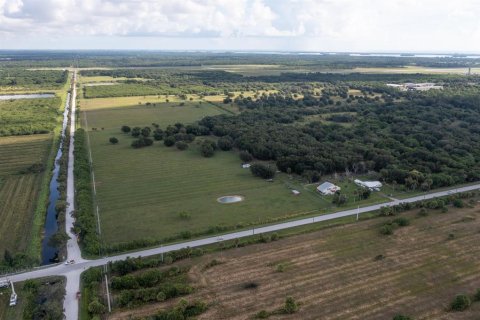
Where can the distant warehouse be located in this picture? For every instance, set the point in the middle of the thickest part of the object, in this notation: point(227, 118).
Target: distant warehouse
point(425, 86)
point(372, 185)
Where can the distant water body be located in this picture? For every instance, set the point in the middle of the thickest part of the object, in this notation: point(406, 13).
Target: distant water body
point(26, 96)
point(372, 54)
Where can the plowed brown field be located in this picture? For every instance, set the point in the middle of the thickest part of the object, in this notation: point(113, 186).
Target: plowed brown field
point(333, 273)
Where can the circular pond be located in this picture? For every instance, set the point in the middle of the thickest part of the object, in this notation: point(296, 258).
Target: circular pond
point(230, 199)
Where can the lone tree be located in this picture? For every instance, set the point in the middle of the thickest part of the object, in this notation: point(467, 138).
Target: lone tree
point(262, 170)
point(339, 199)
point(207, 150)
point(113, 140)
point(126, 129)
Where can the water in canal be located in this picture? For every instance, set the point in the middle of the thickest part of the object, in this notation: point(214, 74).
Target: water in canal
point(26, 96)
point(49, 254)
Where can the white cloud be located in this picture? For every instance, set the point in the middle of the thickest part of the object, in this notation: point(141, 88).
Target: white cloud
point(426, 25)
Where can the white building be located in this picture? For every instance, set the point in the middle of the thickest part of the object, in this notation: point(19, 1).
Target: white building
point(372, 185)
point(327, 188)
point(415, 86)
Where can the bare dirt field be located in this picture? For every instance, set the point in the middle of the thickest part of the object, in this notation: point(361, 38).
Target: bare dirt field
point(338, 273)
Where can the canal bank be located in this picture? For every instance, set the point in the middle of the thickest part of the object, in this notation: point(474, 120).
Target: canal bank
point(56, 201)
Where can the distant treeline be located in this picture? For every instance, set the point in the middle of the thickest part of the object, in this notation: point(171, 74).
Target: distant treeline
point(45, 79)
point(172, 59)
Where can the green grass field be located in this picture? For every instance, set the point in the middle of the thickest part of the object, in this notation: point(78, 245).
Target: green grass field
point(144, 115)
point(141, 192)
point(159, 182)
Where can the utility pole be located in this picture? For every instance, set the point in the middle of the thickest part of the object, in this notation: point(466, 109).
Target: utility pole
point(358, 212)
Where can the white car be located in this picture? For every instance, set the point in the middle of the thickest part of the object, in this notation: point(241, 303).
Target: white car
point(69, 262)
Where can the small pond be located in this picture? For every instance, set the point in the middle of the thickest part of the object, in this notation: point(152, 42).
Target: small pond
point(26, 96)
point(230, 199)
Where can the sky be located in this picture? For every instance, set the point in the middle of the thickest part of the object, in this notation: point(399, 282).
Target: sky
point(237, 25)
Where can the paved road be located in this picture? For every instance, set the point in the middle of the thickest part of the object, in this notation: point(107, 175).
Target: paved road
point(70, 303)
point(82, 265)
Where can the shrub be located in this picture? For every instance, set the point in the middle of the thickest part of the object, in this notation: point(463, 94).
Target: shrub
point(126, 129)
point(113, 140)
point(386, 229)
point(263, 314)
point(161, 296)
point(207, 150)
point(262, 170)
point(245, 156)
point(181, 145)
point(386, 211)
point(96, 307)
point(184, 215)
point(379, 257)
point(290, 306)
point(458, 203)
point(225, 143)
point(250, 285)
point(401, 317)
point(460, 303)
point(423, 212)
point(169, 141)
point(186, 234)
point(402, 221)
point(476, 296)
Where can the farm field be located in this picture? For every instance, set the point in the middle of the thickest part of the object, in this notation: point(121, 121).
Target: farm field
point(94, 79)
point(143, 115)
point(160, 183)
point(18, 192)
point(346, 272)
point(104, 103)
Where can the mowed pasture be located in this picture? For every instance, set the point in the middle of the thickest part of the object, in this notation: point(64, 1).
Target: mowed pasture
point(141, 192)
point(18, 192)
point(143, 115)
point(335, 273)
point(104, 103)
